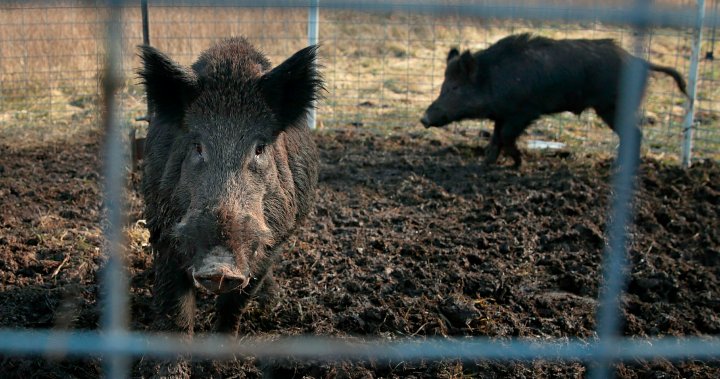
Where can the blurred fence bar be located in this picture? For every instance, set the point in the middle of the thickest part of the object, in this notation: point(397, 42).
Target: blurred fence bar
point(313, 32)
point(615, 264)
point(114, 281)
point(89, 343)
point(655, 17)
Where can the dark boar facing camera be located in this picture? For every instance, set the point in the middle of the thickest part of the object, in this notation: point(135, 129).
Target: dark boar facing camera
point(230, 171)
point(522, 77)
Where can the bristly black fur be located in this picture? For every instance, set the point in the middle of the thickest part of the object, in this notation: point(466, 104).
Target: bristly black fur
point(291, 88)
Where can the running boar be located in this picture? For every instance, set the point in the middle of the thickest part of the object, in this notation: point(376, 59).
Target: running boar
point(230, 171)
point(522, 77)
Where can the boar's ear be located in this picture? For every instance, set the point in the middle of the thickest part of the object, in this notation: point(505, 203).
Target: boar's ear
point(452, 54)
point(467, 63)
point(291, 88)
point(170, 87)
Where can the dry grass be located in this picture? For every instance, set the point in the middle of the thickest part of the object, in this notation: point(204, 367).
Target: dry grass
point(382, 70)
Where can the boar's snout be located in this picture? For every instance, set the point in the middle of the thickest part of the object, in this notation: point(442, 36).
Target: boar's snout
point(425, 120)
point(224, 248)
point(218, 272)
point(434, 116)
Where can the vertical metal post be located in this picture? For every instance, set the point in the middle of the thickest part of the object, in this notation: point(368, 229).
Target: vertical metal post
point(146, 42)
point(692, 86)
point(145, 22)
point(114, 281)
point(137, 144)
point(313, 23)
point(615, 262)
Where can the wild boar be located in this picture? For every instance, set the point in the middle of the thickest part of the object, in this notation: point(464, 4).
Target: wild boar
point(522, 77)
point(230, 170)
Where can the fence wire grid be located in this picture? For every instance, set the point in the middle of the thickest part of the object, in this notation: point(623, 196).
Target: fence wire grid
point(382, 68)
point(383, 63)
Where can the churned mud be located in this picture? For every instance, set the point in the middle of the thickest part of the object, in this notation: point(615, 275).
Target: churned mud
point(411, 236)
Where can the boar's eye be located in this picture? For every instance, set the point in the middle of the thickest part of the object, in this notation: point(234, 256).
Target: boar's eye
point(198, 148)
point(259, 149)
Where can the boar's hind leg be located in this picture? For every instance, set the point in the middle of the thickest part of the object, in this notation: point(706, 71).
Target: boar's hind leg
point(608, 115)
point(173, 298)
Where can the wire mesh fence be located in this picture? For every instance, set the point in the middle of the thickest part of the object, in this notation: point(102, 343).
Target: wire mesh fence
point(383, 64)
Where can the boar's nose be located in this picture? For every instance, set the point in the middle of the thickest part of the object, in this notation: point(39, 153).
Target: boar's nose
point(221, 282)
point(425, 120)
point(218, 272)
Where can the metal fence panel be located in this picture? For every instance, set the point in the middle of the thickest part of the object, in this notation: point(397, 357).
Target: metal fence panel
point(407, 38)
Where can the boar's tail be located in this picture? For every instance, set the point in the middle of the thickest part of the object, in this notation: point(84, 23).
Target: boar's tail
point(672, 72)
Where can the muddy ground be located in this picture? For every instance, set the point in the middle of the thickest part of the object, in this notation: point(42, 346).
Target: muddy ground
point(411, 237)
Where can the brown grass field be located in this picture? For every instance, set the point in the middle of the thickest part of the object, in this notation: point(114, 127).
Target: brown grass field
point(382, 70)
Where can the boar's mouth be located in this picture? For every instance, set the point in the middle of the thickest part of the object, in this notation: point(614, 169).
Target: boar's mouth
point(219, 283)
point(218, 273)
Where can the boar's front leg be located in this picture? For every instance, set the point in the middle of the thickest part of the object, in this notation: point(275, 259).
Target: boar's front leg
point(227, 310)
point(173, 296)
point(493, 150)
point(229, 306)
point(174, 303)
point(510, 147)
